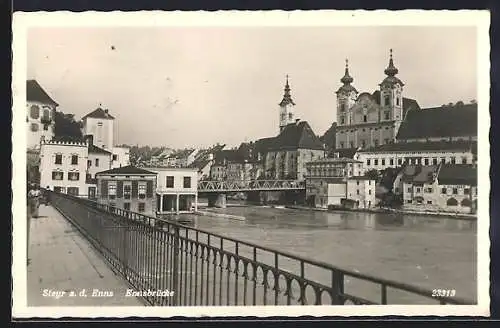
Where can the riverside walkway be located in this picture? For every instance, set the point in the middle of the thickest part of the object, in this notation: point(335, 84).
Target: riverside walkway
point(62, 261)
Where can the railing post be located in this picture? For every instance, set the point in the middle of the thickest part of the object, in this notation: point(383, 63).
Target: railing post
point(337, 287)
point(175, 287)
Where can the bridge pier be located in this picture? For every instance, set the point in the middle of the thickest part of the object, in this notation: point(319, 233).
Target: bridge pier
point(254, 197)
point(217, 200)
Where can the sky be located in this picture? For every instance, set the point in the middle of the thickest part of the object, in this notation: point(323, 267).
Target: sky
point(194, 86)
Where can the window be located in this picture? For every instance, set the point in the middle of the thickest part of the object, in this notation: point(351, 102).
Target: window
point(57, 175)
point(363, 143)
point(429, 190)
point(112, 190)
point(453, 161)
point(342, 120)
point(369, 191)
point(391, 161)
point(46, 115)
point(357, 191)
point(368, 161)
point(290, 116)
point(34, 112)
point(170, 181)
point(342, 107)
point(141, 207)
point(375, 142)
point(127, 189)
point(58, 159)
point(443, 191)
point(99, 124)
point(74, 159)
point(418, 189)
point(409, 189)
point(34, 127)
point(434, 161)
point(283, 116)
point(142, 190)
point(352, 144)
point(365, 119)
point(386, 115)
point(375, 161)
point(73, 176)
point(97, 162)
point(466, 191)
point(126, 206)
point(383, 161)
point(357, 182)
point(409, 201)
point(45, 127)
point(429, 202)
point(397, 101)
point(115, 157)
point(426, 161)
point(443, 160)
point(387, 100)
point(400, 161)
point(464, 160)
point(455, 191)
point(89, 163)
point(73, 191)
point(396, 190)
point(341, 145)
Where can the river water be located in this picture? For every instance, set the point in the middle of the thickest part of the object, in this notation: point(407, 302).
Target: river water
point(429, 252)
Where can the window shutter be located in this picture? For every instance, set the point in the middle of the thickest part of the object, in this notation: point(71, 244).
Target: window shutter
point(134, 188)
point(119, 189)
point(149, 189)
point(104, 188)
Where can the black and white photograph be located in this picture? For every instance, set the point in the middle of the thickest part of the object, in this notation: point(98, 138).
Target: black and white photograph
point(319, 163)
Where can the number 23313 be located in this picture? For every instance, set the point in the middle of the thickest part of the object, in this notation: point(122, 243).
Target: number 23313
point(443, 292)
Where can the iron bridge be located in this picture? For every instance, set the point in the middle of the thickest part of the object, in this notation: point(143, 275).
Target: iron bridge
point(252, 185)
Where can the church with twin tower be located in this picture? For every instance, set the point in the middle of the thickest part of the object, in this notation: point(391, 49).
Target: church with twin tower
point(367, 120)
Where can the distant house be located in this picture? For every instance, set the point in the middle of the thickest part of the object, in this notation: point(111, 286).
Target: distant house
point(288, 153)
point(160, 157)
point(129, 188)
point(181, 158)
point(445, 123)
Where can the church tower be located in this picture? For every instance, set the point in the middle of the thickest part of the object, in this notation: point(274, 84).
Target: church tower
point(391, 95)
point(286, 108)
point(346, 97)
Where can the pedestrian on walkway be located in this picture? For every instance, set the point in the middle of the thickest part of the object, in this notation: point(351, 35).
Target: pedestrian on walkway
point(47, 196)
point(34, 195)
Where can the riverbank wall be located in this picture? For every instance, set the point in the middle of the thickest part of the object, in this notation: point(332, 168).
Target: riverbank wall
point(448, 215)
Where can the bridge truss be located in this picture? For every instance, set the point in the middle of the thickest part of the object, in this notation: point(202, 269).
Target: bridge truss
point(253, 185)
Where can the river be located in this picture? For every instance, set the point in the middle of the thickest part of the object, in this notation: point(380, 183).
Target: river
point(429, 252)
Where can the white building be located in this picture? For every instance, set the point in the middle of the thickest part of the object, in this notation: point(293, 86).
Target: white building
point(63, 166)
point(41, 110)
point(100, 124)
point(417, 153)
point(177, 189)
point(120, 157)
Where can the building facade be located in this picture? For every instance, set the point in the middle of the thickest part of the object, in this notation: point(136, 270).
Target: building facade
point(40, 117)
point(371, 119)
point(177, 190)
point(128, 188)
point(100, 124)
point(417, 153)
point(63, 166)
point(337, 182)
point(120, 157)
point(442, 188)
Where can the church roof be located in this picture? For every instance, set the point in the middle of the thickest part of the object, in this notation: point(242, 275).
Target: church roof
point(99, 113)
point(329, 137)
point(439, 122)
point(297, 135)
point(34, 92)
point(344, 152)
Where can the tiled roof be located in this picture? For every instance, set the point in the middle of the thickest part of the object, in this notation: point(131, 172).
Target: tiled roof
point(99, 113)
point(457, 174)
point(424, 146)
point(97, 150)
point(199, 164)
point(329, 137)
point(262, 145)
point(297, 136)
point(440, 122)
point(419, 173)
point(345, 152)
point(34, 92)
point(228, 155)
point(127, 170)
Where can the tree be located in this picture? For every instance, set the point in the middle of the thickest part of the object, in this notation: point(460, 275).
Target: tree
point(65, 126)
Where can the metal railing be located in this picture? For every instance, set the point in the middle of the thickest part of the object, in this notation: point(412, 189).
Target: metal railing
point(204, 268)
point(252, 185)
